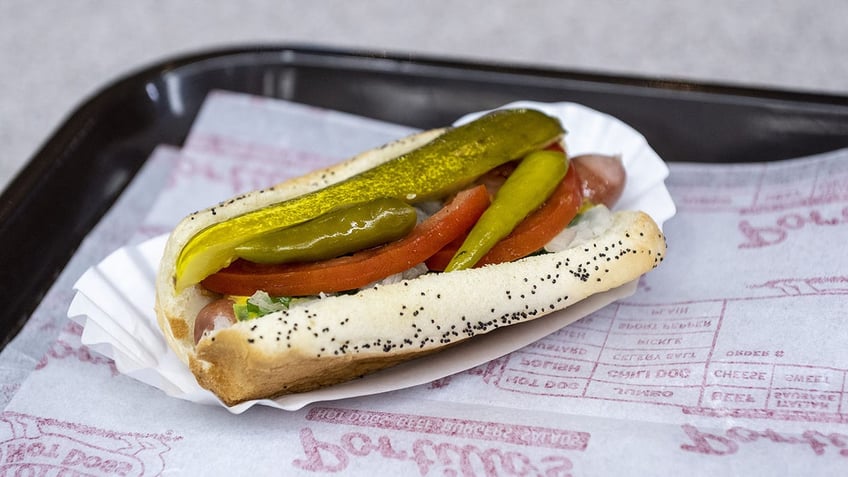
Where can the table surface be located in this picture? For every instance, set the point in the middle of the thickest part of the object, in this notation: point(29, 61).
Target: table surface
point(55, 54)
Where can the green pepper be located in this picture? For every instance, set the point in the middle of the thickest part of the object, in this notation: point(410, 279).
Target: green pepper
point(533, 181)
point(439, 168)
point(336, 233)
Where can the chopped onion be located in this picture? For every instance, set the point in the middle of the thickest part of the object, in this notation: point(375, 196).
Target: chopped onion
point(408, 274)
point(590, 224)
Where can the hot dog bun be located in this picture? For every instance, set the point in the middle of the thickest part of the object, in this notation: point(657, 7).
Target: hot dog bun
point(335, 339)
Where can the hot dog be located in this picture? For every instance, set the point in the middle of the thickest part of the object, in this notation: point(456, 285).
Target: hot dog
point(349, 327)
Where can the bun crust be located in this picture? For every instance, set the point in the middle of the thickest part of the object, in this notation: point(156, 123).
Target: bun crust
point(339, 338)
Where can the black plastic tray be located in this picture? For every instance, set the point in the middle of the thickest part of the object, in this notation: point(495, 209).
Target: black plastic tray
point(76, 176)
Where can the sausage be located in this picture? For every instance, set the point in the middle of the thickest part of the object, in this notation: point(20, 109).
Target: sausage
point(602, 177)
point(217, 314)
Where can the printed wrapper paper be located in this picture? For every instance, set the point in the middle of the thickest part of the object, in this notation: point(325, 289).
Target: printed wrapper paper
point(114, 299)
point(729, 359)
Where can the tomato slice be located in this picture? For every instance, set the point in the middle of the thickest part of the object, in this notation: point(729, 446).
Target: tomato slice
point(361, 268)
point(532, 233)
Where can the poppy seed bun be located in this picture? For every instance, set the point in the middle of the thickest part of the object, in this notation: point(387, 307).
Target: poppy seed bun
point(336, 339)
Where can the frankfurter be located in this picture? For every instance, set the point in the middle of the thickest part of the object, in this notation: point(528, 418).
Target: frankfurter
point(294, 338)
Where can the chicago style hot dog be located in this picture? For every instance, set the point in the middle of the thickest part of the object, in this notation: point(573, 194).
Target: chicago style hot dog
point(397, 253)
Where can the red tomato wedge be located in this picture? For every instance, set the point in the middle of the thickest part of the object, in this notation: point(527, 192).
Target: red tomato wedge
point(361, 268)
point(532, 233)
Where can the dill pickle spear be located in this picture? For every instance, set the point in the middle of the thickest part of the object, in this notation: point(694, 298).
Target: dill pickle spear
point(346, 230)
point(434, 170)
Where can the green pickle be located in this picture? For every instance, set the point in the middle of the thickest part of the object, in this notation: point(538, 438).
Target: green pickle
point(437, 169)
point(337, 233)
point(532, 182)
